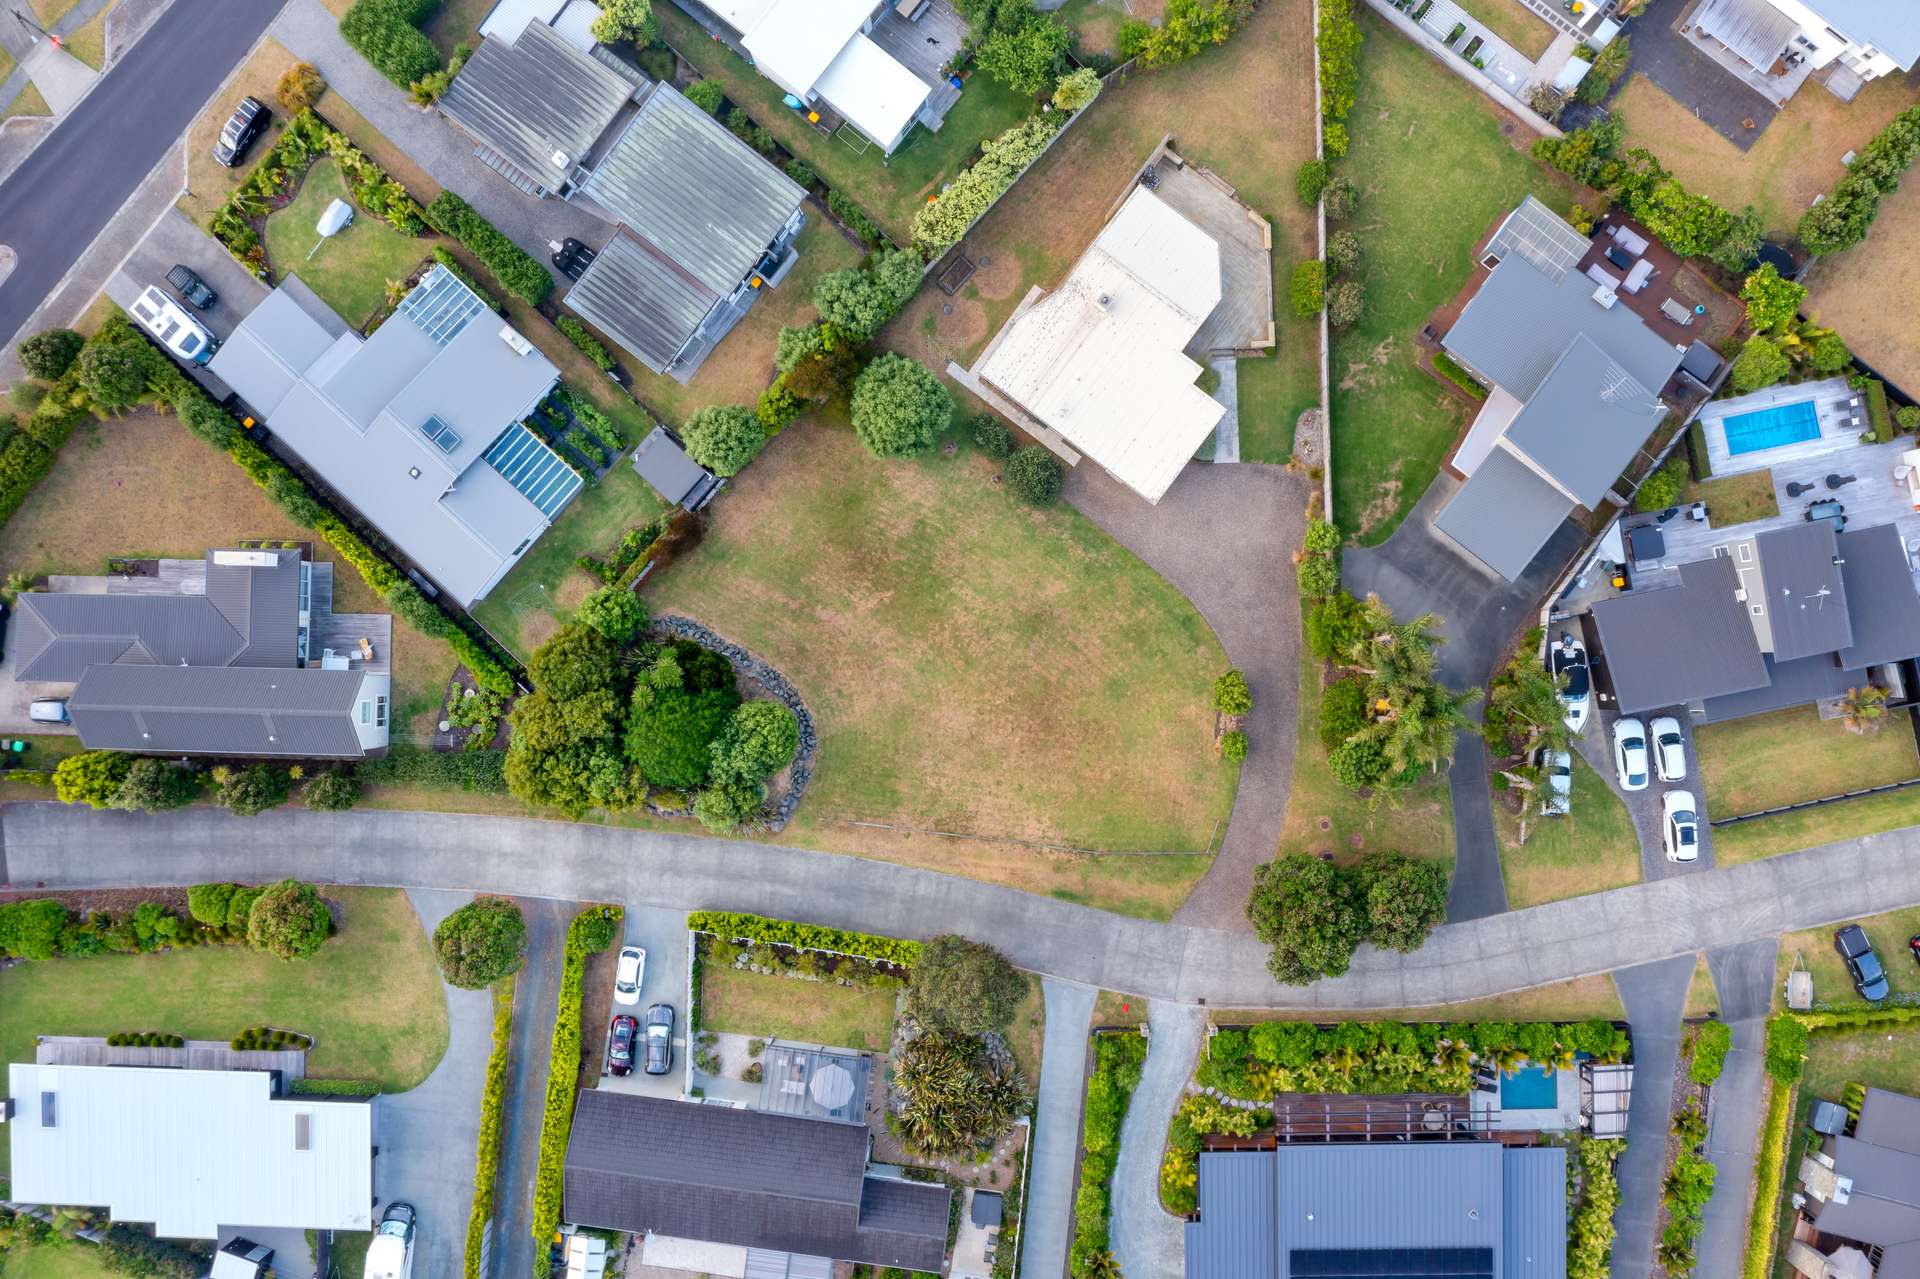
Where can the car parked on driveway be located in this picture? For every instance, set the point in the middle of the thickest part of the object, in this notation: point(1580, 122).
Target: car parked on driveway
point(1568, 657)
point(390, 1255)
point(1669, 749)
point(1556, 782)
point(628, 974)
point(52, 710)
point(1630, 753)
point(1869, 978)
point(659, 1039)
point(247, 122)
point(191, 287)
point(620, 1044)
point(1680, 826)
point(184, 337)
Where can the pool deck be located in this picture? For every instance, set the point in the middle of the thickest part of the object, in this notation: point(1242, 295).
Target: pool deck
point(1489, 1114)
point(1832, 399)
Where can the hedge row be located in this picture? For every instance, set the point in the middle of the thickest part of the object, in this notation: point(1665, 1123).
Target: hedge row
point(1764, 1221)
point(518, 271)
point(29, 450)
point(486, 1159)
point(145, 1039)
point(945, 218)
point(1844, 217)
point(387, 34)
point(592, 930)
point(734, 926)
point(483, 772)
point(1117, 1063)
point(335, 1087)
point(1448, 368)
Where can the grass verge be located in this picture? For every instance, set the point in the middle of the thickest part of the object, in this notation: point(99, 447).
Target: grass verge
point(1593, 848)
point(1576, 1000)
point(1889, 934)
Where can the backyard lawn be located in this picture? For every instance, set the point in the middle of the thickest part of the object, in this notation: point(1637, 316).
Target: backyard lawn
point(942, 634)
point(1512, 22)
point(1593, 847)
point(1859, 292)
point(1414, 124)
point(351, 270)
point(61, 1259)
point(735, 1001)
point(1831, 985)
point(1767, 760)
point(1735, 499)
point(1244, 110)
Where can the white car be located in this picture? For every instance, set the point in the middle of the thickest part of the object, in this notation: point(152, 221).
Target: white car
point(628, 975)
point(1680, 826)
point(1556, 788)
point(390, 1255)
point(1630, 753)
point(1568, 657)
point(1669, 749)
point(52, 710)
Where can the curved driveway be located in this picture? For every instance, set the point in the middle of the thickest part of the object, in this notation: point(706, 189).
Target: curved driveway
point(49, 844)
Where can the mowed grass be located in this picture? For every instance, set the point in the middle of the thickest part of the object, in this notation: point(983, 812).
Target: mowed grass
point(1436, 166)
point(30, 101)
point(58, 1259)
point(735, 1001)
point(1794, 160)
point(141, 486)
point(89, 42)
point(210, 183)
point(352, 269)
point(974, 665)
point(1831, 985)
point(1511, 21)
point(1857, 292)
point(1735, 499)
point(1592, 848)
point(1244, 110)
point(1789, 756)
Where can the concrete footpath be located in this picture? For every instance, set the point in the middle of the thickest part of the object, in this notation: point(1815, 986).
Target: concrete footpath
point(1147, 1241)
point(1056, 1131)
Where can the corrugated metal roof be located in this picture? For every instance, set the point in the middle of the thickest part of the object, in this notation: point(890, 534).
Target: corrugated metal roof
point(1504, 514)
point(1794, 683)
point(1806, 596)
point(1891, 26)
point(1884, 1206)
point(1234, 1237)
point(678, 179)
point(195, 710)
point(1890, 1119)
point(61, 635)
point(1755, 30)
point(1668, 645)
point(1533, 1239)
point(261, 601)
point(1586, 421)
point(641, 299)
point(1881, 601)
point(533, 98)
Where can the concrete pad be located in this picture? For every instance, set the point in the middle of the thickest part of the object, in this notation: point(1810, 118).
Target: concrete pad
point(61, 78)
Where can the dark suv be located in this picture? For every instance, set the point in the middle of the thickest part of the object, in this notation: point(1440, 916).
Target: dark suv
point(192, 288)
point(1869, 978)
point(246, 123)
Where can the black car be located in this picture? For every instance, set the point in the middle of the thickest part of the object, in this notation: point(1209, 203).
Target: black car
point(191, 288)
point(247, 122)
point(620, 1044)
point(1869, 978)
point(659, 1039)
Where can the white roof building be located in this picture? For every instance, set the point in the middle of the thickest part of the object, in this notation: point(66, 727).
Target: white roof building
point(193, 1152)
point(1102, 358)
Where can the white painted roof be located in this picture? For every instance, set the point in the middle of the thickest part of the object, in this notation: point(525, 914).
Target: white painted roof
point(509, 18)
point(795, 41)
point(868, 86)
point(1100, 359)
point(575, 24)
point(191, 1151)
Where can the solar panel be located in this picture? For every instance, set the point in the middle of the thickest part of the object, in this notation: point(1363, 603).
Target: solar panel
point(440, 305)
point(1390, 1263)
point(534, 469)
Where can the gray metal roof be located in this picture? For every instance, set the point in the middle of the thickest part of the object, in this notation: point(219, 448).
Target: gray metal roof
point(1586, 421)
point(745, 1177)
point(1754, 29)
point(1884, 1205)
point(1673, 644)
point(1891, 26)
point(1233, 1236)
point(533, 98)
point(706, 200)
point(662, 463)
point(1890, 1119)
point(1795, 683)
point(258, 593)
point(1533, 1214)
point(1806, 597)
point(1504, 514)
point(197, 710)
point(642, 299)
point(1881, 601)
point(1521, 321)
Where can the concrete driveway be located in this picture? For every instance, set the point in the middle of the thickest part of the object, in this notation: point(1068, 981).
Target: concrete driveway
point(1148, 1241)
point(15, 698)
point(1045, 1227)
point(1654, 996)
point(663, 935)
point(1644, 806)
point(174, 239)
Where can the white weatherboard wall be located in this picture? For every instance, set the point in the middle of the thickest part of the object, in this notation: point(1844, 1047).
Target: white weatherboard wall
point(190, 1151)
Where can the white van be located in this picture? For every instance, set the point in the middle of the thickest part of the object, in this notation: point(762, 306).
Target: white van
point(184, 337)
point(390, 1255)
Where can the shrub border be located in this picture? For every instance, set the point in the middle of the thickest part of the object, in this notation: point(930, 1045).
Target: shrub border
point(563, 1074)
point(738, 926)
point(493, 1097)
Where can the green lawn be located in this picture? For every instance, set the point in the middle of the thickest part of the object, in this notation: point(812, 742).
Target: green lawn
point(61, 1259)
point(1434, 173)
point(348, 1257)
point(1888, 932)
point(1735, 499)
point(350, 271)
point(1593, 847)
point(1794, 755)
point(735, 1001)
point(1510, 20)
point(889, 189)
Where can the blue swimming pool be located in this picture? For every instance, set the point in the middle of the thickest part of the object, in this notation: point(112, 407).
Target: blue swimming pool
point(1530, 1088)
point(1770, 428)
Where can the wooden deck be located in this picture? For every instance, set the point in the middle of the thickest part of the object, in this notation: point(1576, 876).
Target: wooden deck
point(199, 1054)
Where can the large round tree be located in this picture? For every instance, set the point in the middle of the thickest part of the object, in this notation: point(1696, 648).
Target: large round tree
point(289, 920)
point(899, 407)
point(964, 986)
point(481, 942)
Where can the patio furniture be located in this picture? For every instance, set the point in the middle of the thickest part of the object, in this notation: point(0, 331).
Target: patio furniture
point(1795, 488)
point(1829, 510)
point(1836, 480)
point(1632, 243)
point(1600, 277)
point(1619, 257)
point(1900, 474)
point(1910, 460)
point(1637, 278)
point(1674, 311)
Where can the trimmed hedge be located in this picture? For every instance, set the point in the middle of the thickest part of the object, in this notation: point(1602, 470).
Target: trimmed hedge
point(735, 926)
point(943, 220)
point(1764, 1221)
point(493, 1097)
point(1786, 1047)
point(1117, 1063)
point(387, 34)
point(335, 1087)
point(591, 930)
point(1877, 411)
point(518, 271)
point(576, 333)
point(1446, 367)
point(145, 1039)
point(1710, 1047)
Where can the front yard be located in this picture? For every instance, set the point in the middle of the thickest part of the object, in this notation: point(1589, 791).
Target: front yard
point(736, 1001)
point(1436, 164)
point(974, 666)
point(1793, 755)
point(1594, 847)
point(351, 271)
point(1831, 985)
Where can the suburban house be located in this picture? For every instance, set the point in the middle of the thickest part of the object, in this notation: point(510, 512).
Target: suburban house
point(1859, 1195)
point(1781, 43)
point(870, 63)
point(704, 223)
point(237, 654)
point(1460, 1209)
point(418, 428)
point(1577, 378)
point(735, 1192)
point(1765, 619)
point(195, 1153)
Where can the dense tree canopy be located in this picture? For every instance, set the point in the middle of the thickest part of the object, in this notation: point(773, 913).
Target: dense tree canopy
point(155, 785)
point(618, 613)
point(1310, 913)
point(899, 408)
point(724, 438)
point(92, 778)
point(288, 919)
point(481, 942)
point(678, 711)
point(1025, 52)
point(963, 986)
point(49, 354)
point(760, 738)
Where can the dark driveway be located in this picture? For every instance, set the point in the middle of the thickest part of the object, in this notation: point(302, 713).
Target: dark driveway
point(1719, 100)
point(58, 200)
point(1743, 975)
point(1655, 997)
point(1224, 535)
point(534, 1001)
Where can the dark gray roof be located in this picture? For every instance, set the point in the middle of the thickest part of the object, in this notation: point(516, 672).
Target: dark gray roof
point(747, 1178)
point(1586, 421)
point(1504, 514)
point(191, 710)
point(1890, 1119)
point(1884, 1205)
point(1806, 598)
point(662, 463)
point(642, 299)
point(1521, 321)
point(261, 601)
point(679, 180)
point(1666, 645)
point(1795, 683)
point(1233, 1235)
point(1881, 601)
point(1701, 360)
point(534, 97)
point(987, 1208)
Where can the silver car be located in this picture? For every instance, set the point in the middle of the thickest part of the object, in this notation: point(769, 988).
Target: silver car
point(1556, 784)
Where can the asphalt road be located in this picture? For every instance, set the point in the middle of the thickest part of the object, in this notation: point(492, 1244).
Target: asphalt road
point(59, 199)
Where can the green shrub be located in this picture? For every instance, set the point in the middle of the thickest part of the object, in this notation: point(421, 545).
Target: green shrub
point(1772, 303)
point(208, 903)
point(1339, 47)
point(899, 407)
point(1445, 366)
point(1341, 197)
point(1710, 1046)
point(737, 927)
point(854, 216)
point(250, 791)
point(800, 173)
point(1786, 1047)
point(49, 354)
point(1763, 1225)
point(156, 786)
point(289, 920)
point(1309, 288)
point(1035, 474)
point(1908, 417)
point(486, 1158)
point(480, 943)
point(1343, 712)
point(1697, 457)
point(1231, 696)
point(1118, 1059)
point(1310, 181)
point(589, 345)
point(723, 438)
point(517, 270)
point(331, 790)
point(990, 435)
point(311, 1087)
point(1662, 489)
point(1233, 746)
point(1346, 303)
point(942, 221)
point(31, 929)
point(761, 738)
point(92, 778)
point(707, 95)
point(1844, 217)
point(1343, 253)
point(1590, 1230)
point(1877, 415)
point(385, 33)
point(1607, 68)
point(592, 930)
point(1332, 625)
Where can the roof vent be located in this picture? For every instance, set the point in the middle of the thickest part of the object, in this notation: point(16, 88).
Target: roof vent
point(413, 472)
point(1104, 302)
point(513, 338)
point(560, 160)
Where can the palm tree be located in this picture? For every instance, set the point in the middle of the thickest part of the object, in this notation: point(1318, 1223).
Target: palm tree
point(1524, 712)
point(1864, 709)
point(1100, 1265)
point(1410, 713)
